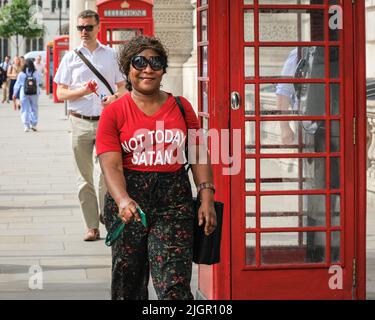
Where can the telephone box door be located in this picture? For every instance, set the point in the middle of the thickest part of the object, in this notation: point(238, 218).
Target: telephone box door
point(292, 204)
point(60, 47)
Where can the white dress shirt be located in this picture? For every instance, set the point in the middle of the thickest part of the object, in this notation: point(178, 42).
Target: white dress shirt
point(74, 73)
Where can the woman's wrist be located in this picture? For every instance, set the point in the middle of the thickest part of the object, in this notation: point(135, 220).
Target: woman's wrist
point(206, 195)
point(123, 200)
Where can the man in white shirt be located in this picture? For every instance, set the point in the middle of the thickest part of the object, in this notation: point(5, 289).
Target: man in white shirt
point(85, 106)
point(39, 66)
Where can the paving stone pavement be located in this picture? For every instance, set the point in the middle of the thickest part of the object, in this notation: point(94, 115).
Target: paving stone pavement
point(40, 220)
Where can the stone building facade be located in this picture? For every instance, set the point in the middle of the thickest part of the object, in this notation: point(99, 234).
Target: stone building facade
point(54, 14)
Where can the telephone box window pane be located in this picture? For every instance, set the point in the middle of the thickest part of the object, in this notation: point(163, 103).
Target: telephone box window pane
point(249, 99)
point(335, 246)
point(292, 137)
point(250, 175)
point(335, 136)
point(291, 62)
point(205, 124)
point(334, 62)
point(248, 2)
point(293, 174)
point(291, 25)
point(249, 62)
point(250, 212)
point(249, 25)
point(204, 60)
point(293, 211)
point(204, 25)
point(250, 249)
point(335, 173)
point(293, 248)
point(124, 34)
point(293, 99)
point(335, 99)
point(250, 137)
point(205, 128)
point(335, 210)
point(204, 2)
point(204, 93)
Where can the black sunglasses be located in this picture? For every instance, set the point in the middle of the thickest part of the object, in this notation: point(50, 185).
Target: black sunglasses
point(88, 28)
point(156, 63)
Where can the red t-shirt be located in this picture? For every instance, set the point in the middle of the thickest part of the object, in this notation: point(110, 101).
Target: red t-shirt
point(147, 143)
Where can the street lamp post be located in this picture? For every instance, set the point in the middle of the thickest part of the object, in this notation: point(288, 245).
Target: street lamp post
point(60, 5)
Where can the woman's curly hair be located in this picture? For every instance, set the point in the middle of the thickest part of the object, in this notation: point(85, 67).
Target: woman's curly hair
point(135, 46)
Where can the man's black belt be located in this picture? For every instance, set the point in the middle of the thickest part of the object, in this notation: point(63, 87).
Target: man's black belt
point(77, 115)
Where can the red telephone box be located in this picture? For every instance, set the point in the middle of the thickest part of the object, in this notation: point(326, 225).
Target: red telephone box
point(60, 47)
point(288, 81)
point(49, 68)
point(121, 20)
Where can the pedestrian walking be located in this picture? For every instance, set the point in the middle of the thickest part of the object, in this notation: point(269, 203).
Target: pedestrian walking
point(13, 72)
point(140, 143)
point(87, 95)
point(40, 66)
point(4, 78)
point(27, 87)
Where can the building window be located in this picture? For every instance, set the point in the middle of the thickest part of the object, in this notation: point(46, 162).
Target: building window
point(53, 6)
point(68, 4)
point(4, 47)
point(41, 44)
point(40, 3)
point(28, 45)
point(34, 44)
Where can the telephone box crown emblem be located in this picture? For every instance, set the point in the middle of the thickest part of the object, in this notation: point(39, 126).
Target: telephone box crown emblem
point(125, 5)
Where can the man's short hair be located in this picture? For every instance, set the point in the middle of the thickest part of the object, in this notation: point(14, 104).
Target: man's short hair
point(89, 14)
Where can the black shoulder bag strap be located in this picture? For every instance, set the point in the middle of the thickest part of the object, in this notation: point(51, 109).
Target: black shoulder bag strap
point(182, 109)
point(94, 70)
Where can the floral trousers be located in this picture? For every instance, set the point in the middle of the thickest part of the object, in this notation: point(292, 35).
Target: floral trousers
point(165, 247)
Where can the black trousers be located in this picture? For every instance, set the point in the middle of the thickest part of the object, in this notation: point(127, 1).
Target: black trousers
point(164, 248)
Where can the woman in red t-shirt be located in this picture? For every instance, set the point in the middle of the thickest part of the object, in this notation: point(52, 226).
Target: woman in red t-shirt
point(140, 144)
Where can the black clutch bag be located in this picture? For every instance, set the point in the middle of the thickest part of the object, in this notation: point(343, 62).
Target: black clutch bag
point(206, 249)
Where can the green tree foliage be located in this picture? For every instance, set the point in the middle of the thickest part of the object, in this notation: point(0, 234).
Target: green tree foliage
point(19, 18)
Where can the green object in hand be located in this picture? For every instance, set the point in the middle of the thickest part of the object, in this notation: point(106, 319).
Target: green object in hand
point(143, 216)
point(118, 227)
point(115, 232)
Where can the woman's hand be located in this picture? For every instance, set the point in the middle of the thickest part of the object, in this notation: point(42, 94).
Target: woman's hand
point(207, 213)
point(128, 210)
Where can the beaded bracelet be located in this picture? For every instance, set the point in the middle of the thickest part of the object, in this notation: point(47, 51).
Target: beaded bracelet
point(206, 185)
